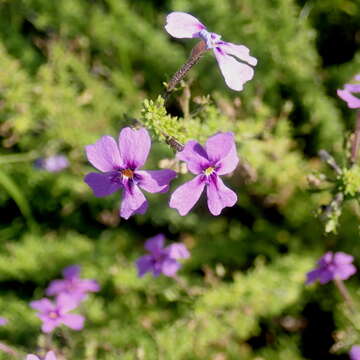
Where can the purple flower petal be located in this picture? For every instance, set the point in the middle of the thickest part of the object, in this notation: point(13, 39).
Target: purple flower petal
point(73, 321)
point(219, 145)
point(229, 163)
point(178, 251)
point(354, 88)
point(66, 303)
point(345, 271)
point(219, 196)
point(56, 287)
point(170, 267)
point(186, 196)
point(72, 271)
point(134, 202)
point(195, 156)
point(102, 184)
point(312, 276)
point(3, 321)
point(42, 305)
point(50, 356)
point(155, 244)
point(134, 147)
point(240, 51)
point(32, 357)
point(342, 258)
point(154, 181)
point(352, 101)
point(144, 264)
point(48, 326)
point(183, 25)
point(88, 285)
point(104, 154)
point(235, 73)
point(355, 352)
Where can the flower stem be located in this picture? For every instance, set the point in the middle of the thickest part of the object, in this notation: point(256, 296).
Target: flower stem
point(355, 140)
point(344, 293)
point(14, 158)
point(196, 54)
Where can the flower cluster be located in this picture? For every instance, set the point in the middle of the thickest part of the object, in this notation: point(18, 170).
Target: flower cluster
point(69, 293)
point(120, 166)
point(161, 260)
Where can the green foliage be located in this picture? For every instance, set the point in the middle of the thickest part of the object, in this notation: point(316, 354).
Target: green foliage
point(74, 70)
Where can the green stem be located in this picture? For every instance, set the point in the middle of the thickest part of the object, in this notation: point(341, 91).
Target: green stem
point(14, 158)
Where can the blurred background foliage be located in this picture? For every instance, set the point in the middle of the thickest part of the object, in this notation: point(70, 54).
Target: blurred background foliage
point(74, 70)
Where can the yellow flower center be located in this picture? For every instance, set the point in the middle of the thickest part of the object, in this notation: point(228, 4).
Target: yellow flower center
point(209, 170)
point(127, 173)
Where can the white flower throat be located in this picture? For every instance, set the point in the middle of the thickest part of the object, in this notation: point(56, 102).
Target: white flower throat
point(211, 39)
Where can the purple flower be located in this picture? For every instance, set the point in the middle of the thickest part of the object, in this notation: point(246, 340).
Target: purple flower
point(3, 321)
point(161, 260)
point(53, 163)
point(120, 166)
point(355, 352)
point(72, 284)
point(330, 266)
point(53, 315)
point(218, 158)
point(49, 356)
point(183, 25)
point(346, 94)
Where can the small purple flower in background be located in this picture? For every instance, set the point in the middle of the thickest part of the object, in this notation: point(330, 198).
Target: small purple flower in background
point(331, 266)
point(53, 163)
point(219, 157)
point(346, 94)
point(161, 260)
point(53, 315)
point(183, 25)
point(3, 321)
point(120, 164)
point(49, 356)
point(72, 284)
point(355, 352)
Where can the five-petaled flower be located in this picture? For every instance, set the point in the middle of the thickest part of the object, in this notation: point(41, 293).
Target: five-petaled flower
point(355, 352)
point(346, 94)
point(332, 266)
point(49, 356)
point(53, 315)
point(219, 157)
point(72, 284)
point(120, 166)
point(236, 74)
point(161, 260)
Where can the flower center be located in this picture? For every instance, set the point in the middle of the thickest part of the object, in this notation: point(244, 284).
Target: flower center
point(208, 171)
point(211, 39)
point(53, 315)
point(127, 173)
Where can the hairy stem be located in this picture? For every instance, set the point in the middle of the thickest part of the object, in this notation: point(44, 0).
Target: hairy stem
point(193, 59)
point(326, 157)
point(355, 140)
point(344, 293)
